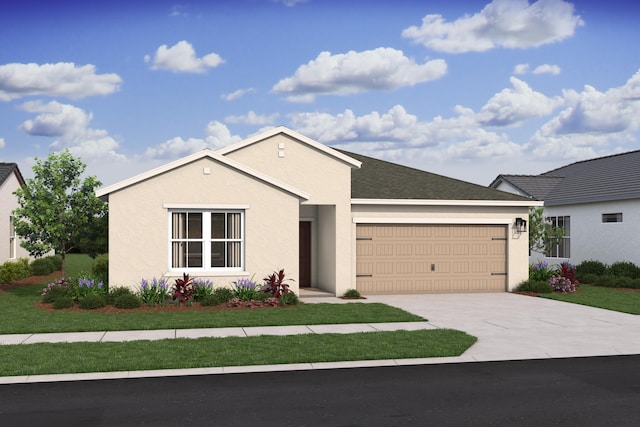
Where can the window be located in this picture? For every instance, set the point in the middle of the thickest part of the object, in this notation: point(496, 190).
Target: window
point(612, 217)
point(560, 248)
point(12, 239)
point(207, 240)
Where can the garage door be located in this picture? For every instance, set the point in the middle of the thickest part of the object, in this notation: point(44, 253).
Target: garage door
point(430, 258)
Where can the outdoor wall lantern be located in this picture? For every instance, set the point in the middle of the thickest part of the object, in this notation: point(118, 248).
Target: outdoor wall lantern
point(520, 226)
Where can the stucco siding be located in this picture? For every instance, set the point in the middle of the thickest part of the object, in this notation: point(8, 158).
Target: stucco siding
point(517, 243)
point(9, 202)
point(139, 222)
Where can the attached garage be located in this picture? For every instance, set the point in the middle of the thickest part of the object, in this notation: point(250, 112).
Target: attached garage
point(419, 258)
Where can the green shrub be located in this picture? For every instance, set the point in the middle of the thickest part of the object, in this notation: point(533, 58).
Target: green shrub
point(201, 289)
point(538, 286)
point(63, 302)
point(116, 292)
point(624, 269)
point(589, 278)
point(605, 281)
point(54, 291)
point(56, 260)
point(210, 300)
point(11, 271)
point(590, 267)
point(127, 301)
point(225, 294)
point(101, 267)
point(93, 301)
point(262, 296)
point(289, 298)
point(351, 293)
point(42, 266)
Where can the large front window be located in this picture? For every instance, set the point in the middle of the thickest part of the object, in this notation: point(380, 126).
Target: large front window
point(12, 239)
point(207, 240)
point(560, 248)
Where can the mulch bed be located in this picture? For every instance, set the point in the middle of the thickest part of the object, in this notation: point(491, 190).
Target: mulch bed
point(31, 280)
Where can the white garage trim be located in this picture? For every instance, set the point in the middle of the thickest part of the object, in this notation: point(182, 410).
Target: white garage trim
point(426, 221)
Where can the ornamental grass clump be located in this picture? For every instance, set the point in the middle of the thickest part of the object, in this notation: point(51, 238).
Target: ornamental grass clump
point(245, 289)
point(154, 292)
point(85, 286)
point(201, 289)
point(541, 271)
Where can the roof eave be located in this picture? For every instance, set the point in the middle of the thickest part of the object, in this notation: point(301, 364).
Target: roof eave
point(441, 202)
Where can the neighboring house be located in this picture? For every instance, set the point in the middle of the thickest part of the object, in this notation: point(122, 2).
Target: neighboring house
point(10, 180)
point(597, 201)
point(333, 220)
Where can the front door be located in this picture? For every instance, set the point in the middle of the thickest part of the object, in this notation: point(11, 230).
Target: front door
point(305, 254)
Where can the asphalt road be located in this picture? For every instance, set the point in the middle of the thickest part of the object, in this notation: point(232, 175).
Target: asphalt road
point(600, 391)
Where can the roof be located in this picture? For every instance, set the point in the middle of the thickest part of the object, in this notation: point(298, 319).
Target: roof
point(379, 179)
point(609, 178)
point(206, 153)
point(6, 169)
point(534, 186)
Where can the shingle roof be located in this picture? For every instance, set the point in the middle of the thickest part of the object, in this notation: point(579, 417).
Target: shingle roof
point(378, 179)
point(615, 177)
point(6, 169)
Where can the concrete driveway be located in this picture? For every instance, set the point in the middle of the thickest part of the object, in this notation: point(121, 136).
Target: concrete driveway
point(510, 326)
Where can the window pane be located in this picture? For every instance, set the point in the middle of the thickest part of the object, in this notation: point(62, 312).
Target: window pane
point(217, 254)
point(179, 225)
point(217, 225)
point(194, 254)
point(178, 255)
point(234, 254)
point(194, 227)
point(233, 226)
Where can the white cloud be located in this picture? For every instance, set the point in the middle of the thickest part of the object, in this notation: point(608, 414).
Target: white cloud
point(521, 69)
point(60, 79)
point(251, 118)
point(181, 58)
point(2, 143)
point(70, 126)
point(378, 69)
point(547, 69)
point(237, 94)
point(502, 23)
point(515, 105)
point(290, 3)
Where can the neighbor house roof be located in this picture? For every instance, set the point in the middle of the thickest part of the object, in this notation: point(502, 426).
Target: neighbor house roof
point(6, 169)
point(615, 177)
point(379, 180)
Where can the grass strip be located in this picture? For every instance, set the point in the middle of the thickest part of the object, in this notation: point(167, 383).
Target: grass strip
point(19, 315)
point(61, 358)
point(607, 298)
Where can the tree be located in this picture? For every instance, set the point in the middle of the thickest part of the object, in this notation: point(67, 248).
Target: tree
point(56, 207)
point(541, 234)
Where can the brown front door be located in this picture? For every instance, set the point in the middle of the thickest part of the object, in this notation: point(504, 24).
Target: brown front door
point(305, 254)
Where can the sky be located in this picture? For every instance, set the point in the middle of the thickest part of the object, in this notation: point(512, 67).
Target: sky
point(468, 89)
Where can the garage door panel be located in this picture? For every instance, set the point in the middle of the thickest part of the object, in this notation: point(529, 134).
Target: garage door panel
point(430, 258)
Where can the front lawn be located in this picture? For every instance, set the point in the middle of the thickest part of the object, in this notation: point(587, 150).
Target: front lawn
point(39, 359)
point(626, 301)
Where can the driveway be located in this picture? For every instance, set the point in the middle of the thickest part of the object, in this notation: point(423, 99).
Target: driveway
point(510, 326)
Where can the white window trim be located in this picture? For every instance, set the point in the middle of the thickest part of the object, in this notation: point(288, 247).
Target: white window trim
point(206, 241)
point(13, 239)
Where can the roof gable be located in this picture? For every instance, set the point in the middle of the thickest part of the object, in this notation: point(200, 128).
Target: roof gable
point(534, 186)
point(378, 179)
point(7, 169)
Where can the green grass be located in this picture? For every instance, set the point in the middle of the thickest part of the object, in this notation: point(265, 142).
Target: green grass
point(20, 315)
point(596, 296)
point(78, 264)
point(39, 359)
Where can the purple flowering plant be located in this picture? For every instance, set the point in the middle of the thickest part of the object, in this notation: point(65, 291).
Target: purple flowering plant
point(201, 289)
point(541, 271)
point(245, 289)
point(84, 286)
point(154, 291)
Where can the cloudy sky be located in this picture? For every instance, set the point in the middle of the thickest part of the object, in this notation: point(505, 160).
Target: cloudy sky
point(467, 89)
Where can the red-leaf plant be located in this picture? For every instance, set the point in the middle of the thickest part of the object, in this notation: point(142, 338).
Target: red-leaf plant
point(274, 283)
point(183, 289)
point(568, 271)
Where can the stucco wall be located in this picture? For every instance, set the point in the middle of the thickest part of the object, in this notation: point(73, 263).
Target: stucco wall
point(517, 244)
point(9, 202)
point(138, 223)
point(591, 239)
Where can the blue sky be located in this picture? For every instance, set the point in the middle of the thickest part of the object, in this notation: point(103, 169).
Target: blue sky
point(467, 89)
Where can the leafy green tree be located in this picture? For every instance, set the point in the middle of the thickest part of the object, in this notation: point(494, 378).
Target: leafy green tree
point(57, 207)
point(541, 234)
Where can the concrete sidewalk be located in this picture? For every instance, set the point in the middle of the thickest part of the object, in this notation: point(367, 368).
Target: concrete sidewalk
point(508, 327)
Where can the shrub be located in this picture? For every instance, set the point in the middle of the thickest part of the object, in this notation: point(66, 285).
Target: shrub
point(274, 283)
point(289, 298)
point(101, 267)
point(55, 290)
point(183, 289)
point(568, 271)
point(93, 301)
point(63, 302)
point(562, 284)
point(211, 300)
point(155, 291)
point(537, 286)
point(245, 289)
point(116, 292)
point(225, 294)
point(42, 266)
point(127, 301)
point(589, 278)
point(56, 260)
point(540, 271)
point(11, 271)
point(351, 293)
point(590, 267)
point(201, 289)
point(624, 269)
point(262, 296)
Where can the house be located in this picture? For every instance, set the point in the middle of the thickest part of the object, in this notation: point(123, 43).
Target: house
point(597, 202)
point(333, 220)
point(10, 180)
